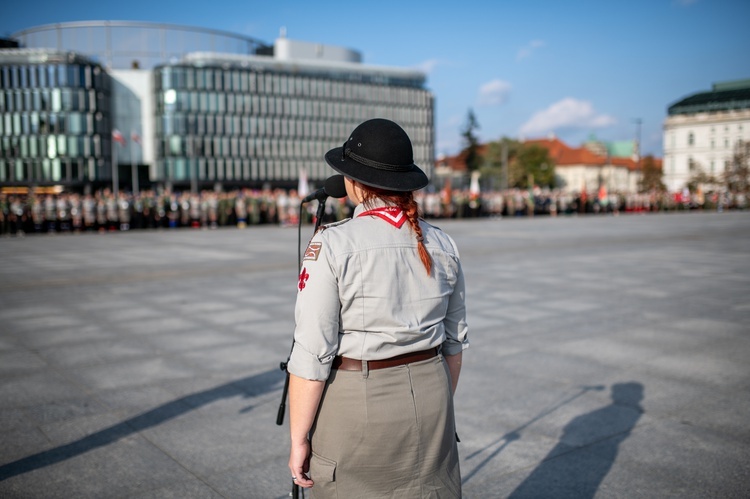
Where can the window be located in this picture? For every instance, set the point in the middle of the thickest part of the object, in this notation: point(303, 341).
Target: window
point(51, 146)
point(175, 146)
point(218, 80)
point(73, 147)
point(50, 79)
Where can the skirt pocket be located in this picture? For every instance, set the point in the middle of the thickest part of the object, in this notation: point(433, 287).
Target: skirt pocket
point(323, 473)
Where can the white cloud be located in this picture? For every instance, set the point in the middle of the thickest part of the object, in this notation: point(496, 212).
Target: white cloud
point(527, 50)
point(568, 113)
point(428, 66)
point(494, 93)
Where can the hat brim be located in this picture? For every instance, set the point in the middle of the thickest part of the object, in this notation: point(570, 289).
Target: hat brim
point(412, 179)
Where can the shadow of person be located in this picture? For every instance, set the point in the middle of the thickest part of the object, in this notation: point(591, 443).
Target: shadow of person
point(516, 433)
point(587, 449)
point(249, 387)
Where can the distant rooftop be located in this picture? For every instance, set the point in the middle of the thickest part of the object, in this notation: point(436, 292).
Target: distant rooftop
point(724, 96)
point(120, 44)
point(43, 56)
point(350, 71)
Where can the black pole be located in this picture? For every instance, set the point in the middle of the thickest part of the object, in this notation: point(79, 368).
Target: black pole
point(283, 365)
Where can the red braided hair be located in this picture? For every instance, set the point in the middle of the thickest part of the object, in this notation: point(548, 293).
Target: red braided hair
point(405, 201)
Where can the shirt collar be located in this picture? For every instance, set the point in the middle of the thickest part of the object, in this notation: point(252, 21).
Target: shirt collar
point(374, 203)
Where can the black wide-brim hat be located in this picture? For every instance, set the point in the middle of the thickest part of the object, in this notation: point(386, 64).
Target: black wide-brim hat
point(378, 154)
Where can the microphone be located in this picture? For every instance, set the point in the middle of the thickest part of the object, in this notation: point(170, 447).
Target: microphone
point(333, 187)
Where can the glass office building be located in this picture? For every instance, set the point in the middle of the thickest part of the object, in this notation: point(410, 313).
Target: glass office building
point(54, 118)
point(196, 108)
point(254, 122)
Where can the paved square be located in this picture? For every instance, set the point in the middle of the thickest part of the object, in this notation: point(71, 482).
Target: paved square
point(609, 358)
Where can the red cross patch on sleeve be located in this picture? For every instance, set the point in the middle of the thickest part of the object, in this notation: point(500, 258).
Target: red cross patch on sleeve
point(303, 277)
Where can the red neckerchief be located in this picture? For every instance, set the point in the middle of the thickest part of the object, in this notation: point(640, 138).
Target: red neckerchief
point(391, 214)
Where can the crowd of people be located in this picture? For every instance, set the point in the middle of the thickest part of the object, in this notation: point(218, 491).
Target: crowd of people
point(104, 212)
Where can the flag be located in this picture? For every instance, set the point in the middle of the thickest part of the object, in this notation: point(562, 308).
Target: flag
point(135, 138)
point(117, 137)
point(474, 186)
point(303, 188)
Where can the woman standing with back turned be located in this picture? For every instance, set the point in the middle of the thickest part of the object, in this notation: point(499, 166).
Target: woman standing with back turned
point(380, 330)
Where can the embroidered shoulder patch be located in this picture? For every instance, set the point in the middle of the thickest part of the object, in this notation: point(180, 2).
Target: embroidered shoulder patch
point(312, 251)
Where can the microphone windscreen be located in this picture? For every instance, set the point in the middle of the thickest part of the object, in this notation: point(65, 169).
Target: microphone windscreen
point(334, 186)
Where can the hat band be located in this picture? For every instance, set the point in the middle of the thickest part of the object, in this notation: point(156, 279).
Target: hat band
point(375, 164)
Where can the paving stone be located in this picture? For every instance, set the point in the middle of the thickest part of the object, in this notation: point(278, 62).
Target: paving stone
point(608, 359)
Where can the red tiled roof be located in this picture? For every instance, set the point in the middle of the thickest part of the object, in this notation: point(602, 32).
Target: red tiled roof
point(562, 154)
point(458, 162)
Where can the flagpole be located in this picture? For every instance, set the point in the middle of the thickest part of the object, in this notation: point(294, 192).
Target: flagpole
point(115, 179)
point(133, 168)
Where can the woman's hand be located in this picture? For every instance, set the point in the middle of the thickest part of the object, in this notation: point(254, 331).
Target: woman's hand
point(299, 463)
point(304, 396)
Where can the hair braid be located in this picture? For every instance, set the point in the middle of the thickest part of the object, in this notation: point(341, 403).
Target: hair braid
point(407, 203)
point(411, 209)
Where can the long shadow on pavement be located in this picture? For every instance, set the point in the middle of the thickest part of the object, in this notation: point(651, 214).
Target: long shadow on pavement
point(251, 386)
point(587, 449)
point(515, 434)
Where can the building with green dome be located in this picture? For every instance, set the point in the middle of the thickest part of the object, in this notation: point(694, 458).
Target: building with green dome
point(702, 133)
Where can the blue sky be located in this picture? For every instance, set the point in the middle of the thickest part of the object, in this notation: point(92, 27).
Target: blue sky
point(527, 68)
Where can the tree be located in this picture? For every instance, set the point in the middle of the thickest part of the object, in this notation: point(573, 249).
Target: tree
point(523, 160)
point(471, 142)
point(651, 179)
point(737, 175)
point(700, 179)
point(534, 160)
point(492, 166)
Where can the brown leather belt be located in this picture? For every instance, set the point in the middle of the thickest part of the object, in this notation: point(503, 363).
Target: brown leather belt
point(347, 364)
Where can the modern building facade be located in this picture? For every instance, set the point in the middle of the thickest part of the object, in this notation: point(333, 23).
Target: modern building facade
point(54, 118)
point(189, 108)
point(253, 119)
point(702, 132)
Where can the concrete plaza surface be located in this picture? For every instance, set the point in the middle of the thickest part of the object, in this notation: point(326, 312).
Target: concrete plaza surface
point(610, 357)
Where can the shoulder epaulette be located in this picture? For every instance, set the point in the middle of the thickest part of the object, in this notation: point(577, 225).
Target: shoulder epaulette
point(428, 223)
point(333, 224)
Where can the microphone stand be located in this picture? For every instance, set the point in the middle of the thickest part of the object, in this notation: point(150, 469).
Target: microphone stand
point(283, 365)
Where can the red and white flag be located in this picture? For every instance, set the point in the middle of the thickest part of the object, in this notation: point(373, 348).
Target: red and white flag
point(117, 137)
point(303, 187)
point(135, 138)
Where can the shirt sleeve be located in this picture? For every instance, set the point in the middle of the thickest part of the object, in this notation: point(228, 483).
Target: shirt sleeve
point(316, 314)
point(456, 329)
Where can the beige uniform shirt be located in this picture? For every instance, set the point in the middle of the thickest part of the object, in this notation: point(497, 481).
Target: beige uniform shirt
point(364, 293)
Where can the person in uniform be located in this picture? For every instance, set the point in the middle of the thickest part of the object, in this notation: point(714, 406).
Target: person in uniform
point(380, 330)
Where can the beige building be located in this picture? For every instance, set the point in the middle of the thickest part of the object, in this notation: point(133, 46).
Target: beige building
point(591, 167)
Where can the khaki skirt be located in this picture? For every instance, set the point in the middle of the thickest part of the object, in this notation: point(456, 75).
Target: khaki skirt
point(389, 433)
